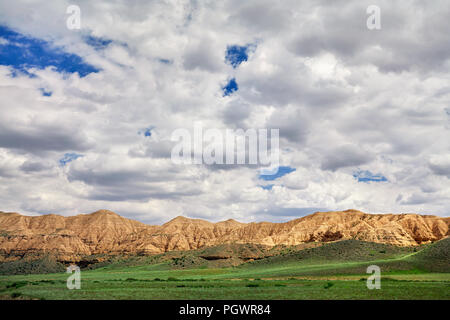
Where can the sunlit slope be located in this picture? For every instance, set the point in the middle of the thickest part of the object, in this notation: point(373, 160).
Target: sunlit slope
point(353, 257)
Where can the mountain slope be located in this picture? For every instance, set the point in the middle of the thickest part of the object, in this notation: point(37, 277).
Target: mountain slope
point(105, 232)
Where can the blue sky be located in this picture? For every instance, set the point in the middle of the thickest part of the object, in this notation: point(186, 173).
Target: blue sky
point(282, 171)
point(96, 42)
point(22, 52)
point(45, 93)
point(147, 132)
point(230, 87)
point(69, 157)
point(367, 176)
point(236, 54)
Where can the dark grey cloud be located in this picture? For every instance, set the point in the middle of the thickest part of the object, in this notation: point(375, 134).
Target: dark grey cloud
point(345, 156)
point(153, 149)
point(236, 113)
point(138, 193)
point(259, 16)
point(38, 140)
point(296, 212)
point(278, 214)
point(98, 177)
point(402, 130)
point(6, 173)
point(202, 56)
point(441, 169)
point(412, 35)
point(288, 87)
point(293, 124)
point(416, 199)
point(133, 184)
point(34, 166)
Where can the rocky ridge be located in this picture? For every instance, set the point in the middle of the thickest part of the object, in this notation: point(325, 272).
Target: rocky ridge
point(105, 232)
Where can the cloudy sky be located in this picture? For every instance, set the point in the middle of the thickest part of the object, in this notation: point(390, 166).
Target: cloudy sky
point(86, 115)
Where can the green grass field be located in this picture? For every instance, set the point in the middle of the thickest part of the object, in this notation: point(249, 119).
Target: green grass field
point(332, 271)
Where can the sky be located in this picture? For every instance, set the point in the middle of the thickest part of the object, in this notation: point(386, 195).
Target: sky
point(86, 115)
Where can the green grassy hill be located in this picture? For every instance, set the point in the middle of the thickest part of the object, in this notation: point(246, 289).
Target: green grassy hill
point(341, 257)
point(434, 257)
point(329, 271)
point(353, 257)
point(46, 264)
point(346, 250)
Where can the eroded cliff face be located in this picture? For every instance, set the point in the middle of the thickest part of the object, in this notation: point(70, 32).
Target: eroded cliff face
point(105, 232)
